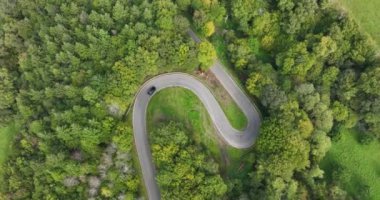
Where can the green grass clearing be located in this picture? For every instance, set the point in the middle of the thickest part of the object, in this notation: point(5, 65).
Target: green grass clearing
point(359, 165)
point(366, 13)
point(236, 117)
point(7, 133)
point(6, 137)
point(234, 114)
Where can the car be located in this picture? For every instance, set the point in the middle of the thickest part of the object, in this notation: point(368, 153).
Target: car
point(151, 90)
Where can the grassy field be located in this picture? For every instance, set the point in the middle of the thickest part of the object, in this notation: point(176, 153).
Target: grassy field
point(181, 105)
point(359, 166)
point(234, 115)
point(6, 137)
point(366, 12)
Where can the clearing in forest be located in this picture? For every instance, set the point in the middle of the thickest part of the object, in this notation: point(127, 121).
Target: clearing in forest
point(367, 14)
point(355, 165)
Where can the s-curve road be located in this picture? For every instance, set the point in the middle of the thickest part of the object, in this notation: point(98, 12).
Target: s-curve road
point(233, 137)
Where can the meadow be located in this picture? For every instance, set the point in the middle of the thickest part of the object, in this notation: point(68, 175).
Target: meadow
point(366, 13)
point(6, 136)
point(354, 165)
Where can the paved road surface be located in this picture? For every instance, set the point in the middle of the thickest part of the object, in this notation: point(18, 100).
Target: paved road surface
point(233, 137)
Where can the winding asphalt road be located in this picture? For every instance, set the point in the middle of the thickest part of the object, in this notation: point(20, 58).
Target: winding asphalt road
point(233, 137)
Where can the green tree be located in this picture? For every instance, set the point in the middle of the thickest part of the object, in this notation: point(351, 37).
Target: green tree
point(166, 10)
point(370, 80)
point(181, 24)
point(244, 11)
point(273, 98)
point(282, 151)
point(119, 11)
point(208, 29)
point(308, 96)
point(323, 117)
point(206, 55)
point(183, 4)
point(184, 171)
point(296, 60)
point(241, 54)
point(7, 96)
point(320, 144)
point(256, 82)
point(347, 85)
point(329, 76)
point(340, 111)
point(90, 95)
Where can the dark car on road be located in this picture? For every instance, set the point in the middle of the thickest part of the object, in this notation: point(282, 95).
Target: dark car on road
point(151, 90)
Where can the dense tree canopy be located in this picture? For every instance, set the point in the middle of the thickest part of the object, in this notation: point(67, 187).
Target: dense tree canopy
point(323, 78)
point(7, 96)
point(206, 55)
point(184, 170)
point(69, 71)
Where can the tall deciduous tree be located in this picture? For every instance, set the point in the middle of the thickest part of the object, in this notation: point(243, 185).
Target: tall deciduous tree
point(282, 149)
point(206, 55)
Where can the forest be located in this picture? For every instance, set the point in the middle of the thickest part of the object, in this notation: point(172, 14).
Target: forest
point(69, 71)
